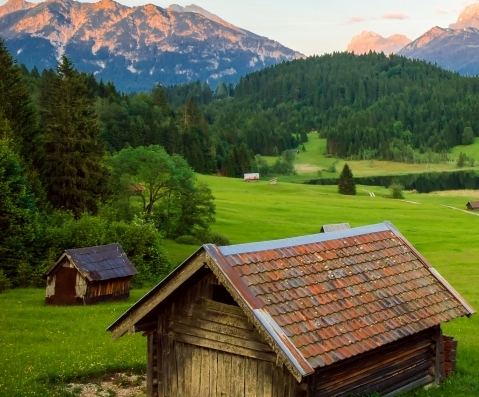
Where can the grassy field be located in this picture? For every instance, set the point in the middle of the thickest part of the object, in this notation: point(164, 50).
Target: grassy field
point(40, 346)
point(308, 163)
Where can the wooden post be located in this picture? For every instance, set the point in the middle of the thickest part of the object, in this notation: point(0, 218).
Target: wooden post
point(439, 367)
point(312, 384)
point(149, 365)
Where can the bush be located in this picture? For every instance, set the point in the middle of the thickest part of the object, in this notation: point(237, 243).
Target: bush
point(139, 239)
point(396, 191)
point(188, 240)
point(4, 282)
point(209, 237)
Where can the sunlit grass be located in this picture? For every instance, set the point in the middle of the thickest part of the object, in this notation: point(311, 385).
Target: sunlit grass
point(313, 159)
point(41, 345)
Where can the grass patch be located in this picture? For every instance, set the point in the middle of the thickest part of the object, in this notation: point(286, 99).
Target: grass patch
point(314, 159)
point(41, 346)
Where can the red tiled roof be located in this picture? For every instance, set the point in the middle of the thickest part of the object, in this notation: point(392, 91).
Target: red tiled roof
point(330, 296)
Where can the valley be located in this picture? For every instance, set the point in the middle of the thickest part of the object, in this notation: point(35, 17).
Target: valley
point(136, 125)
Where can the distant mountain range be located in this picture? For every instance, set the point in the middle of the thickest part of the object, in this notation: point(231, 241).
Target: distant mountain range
point(136, 47)
point(371, 41)
point(454, 48)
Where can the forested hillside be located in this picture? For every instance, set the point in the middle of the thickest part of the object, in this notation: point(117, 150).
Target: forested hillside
point(84, 164)
point(368, 106)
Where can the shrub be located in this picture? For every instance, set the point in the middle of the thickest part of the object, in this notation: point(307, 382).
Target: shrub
point(209, 237)
point(188, 240)
point(396, 191)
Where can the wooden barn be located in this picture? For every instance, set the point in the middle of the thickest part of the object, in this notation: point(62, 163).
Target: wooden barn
point(329, 314)
point(473, 205)
point(89, 275)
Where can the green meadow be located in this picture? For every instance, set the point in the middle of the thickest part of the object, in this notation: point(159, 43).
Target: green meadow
point(313, 159)
point(43, 347)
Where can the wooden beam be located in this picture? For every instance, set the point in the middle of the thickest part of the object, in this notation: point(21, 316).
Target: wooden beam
point(222, 346)
point(158, 295)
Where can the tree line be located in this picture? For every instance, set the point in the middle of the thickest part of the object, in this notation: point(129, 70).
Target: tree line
point(369, 106)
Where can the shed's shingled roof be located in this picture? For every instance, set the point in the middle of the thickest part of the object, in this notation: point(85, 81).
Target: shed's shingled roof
point(473, 204)
point(99, 263)
point(328, 296)
point(335, 295)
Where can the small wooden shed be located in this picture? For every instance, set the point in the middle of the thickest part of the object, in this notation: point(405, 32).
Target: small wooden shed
point(330, 314)
point(473, 205)
point(334, 227)
point(89, 275)
point(251, 177)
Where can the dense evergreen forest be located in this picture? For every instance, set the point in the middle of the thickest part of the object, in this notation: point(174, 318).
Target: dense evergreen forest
point(84, 164)
point(368, 107)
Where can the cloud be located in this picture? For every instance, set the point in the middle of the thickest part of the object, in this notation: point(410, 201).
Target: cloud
point(355, 20)
point(394, 15)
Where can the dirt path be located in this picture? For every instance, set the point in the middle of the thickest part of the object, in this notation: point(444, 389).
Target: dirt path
point(117, 385)
point(459, 209)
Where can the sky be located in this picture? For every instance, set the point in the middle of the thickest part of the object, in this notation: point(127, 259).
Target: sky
point(323, 26)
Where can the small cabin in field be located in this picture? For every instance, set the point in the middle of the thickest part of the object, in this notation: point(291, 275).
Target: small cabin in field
point(473, 205)
point(89, 275)
point(334, 227)
point(353, 312)
point(251, 177)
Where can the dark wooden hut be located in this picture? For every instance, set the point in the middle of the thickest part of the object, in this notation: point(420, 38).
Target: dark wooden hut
point(89, 275)
point(331, 314)
point(473, 205)
point(334, 227)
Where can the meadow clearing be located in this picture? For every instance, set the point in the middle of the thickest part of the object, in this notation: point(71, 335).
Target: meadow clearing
point(42, 348)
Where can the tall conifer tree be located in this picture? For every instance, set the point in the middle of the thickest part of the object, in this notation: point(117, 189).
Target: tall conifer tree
point(74, 175)
point(16, 108)
point(346, 183)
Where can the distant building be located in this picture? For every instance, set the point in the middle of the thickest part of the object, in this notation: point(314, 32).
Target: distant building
point(89, 275)
point(354, 312)
point(252, 177)
point(273, 181)
point(334, 227)
point(473, 205)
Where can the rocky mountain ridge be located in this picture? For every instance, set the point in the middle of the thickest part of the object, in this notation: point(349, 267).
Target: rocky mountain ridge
point(371, 41)
point(15, 5)
point(454, 48)
point(136, 47)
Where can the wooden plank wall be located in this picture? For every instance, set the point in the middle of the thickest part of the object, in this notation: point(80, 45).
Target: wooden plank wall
point(383, 370)
point(209, 349)
point(107, 290)
point(450, 352)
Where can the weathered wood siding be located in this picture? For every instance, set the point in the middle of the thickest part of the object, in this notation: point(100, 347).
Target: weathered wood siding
point(61, 286)
point(68, 287)
point(104, 291)
point(205, 348)
point(409, 361)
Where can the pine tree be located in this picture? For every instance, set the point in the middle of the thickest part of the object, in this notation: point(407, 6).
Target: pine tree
point(346, 183)
point(16, 108)
point(73, 173)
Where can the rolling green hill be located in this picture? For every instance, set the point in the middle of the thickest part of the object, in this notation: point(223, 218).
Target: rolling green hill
point(368, 107)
